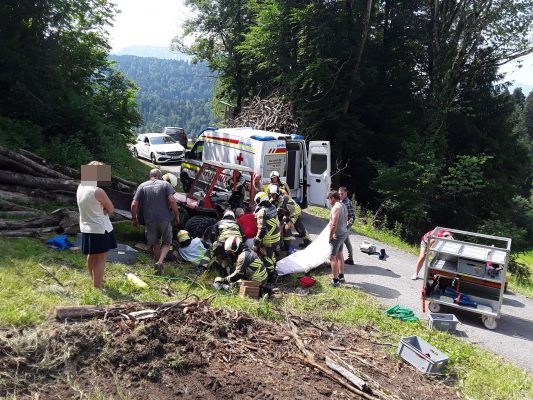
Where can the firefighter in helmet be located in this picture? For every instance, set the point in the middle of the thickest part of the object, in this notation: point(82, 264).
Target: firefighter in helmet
point(268, 233)
point(276, 180)
point(222, 230)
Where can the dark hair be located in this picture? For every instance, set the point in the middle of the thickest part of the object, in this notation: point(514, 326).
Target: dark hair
point(334, 194)
point(343, 189)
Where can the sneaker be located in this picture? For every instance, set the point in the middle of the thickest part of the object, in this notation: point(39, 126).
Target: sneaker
point(414, 277)
point(335, 283)
point(341, 278)
point(349, 261)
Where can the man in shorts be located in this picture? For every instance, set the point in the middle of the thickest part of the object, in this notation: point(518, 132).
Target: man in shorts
point(151, 207)
point(338, 233)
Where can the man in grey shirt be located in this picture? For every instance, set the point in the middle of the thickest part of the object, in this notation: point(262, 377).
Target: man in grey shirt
point(343, 193)
point(151, 207)
point(338, 233)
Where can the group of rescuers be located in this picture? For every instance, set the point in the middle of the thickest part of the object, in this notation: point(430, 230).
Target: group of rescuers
point(243, 246)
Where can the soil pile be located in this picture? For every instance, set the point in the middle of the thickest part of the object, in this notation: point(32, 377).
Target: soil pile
point(199, 352)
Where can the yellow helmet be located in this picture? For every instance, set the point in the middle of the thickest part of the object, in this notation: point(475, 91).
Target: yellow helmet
point(260, 197)
point(182, 236)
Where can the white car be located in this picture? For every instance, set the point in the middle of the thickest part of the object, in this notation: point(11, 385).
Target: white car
point(158, 148)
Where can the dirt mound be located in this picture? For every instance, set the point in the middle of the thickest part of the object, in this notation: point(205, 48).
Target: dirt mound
point(199, 353)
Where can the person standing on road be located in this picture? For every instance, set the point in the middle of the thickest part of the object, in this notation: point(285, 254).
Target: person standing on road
point(343, 194)
point(97, 236)
point(337, 236)
point(151, 207)
point(423, 248)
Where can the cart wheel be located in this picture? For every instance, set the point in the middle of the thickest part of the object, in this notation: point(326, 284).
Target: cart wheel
point(434, 307)
point(489, 322)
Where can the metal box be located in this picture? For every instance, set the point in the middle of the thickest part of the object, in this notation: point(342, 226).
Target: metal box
point(123, 254)
point(443, 322)
point(471, 267)
point(421, 355)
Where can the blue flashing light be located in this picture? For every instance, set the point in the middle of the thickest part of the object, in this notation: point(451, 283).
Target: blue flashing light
point(295, 136)
point(262, 138)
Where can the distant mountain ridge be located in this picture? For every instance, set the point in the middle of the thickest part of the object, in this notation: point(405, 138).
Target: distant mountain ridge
point(164, 53)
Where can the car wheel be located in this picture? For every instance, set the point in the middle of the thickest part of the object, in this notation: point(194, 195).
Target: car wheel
point(197, 225)
point(153, 159)
point(135, 153)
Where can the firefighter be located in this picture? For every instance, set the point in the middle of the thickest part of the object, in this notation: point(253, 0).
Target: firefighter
point(246, 263)
point(275, 180)
point(236, 185)
point(290, 212)
point(222, 230)
point(268, 233)
point(193, 250)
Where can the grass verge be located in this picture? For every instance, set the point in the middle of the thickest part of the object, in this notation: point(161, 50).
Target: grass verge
point(28, 296)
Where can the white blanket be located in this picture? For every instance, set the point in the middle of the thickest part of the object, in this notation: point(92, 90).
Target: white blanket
point(305, 260)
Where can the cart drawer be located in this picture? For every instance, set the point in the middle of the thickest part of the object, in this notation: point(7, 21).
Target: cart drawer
point(471, 267)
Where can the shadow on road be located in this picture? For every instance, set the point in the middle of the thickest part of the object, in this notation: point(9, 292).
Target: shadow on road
point(359, 269)
point(375, 290)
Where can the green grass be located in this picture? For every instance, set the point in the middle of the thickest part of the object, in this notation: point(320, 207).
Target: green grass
point(128, 167)
point(525, 288)
point(28, 296)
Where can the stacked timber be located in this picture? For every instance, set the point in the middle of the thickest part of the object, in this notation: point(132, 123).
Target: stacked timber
point(28, 181)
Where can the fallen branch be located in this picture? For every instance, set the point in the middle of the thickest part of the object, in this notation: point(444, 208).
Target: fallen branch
point(354, 379)
point(51, 274)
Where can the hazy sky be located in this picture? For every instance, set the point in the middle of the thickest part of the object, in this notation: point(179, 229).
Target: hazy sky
point(156, 22)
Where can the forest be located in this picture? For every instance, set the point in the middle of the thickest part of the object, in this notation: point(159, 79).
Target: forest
point(423, 127)
point(171, 92)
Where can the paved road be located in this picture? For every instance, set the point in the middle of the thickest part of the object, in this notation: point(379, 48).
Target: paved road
point(390, 282)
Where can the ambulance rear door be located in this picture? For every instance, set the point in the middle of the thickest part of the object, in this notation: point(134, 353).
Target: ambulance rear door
point(318, 172)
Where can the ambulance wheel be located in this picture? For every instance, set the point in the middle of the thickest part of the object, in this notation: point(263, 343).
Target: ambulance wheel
point(434, 307)
point(185, 182)
point(490, 322)
point(197, 225)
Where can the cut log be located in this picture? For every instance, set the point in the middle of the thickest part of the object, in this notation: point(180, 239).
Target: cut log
point(45, 221)
point(63, 169)
point(20, 197)
point(28, 232)
point(9, 206)
point(354, 379)
point(19, 158)
point(14, 178)
point(20, 214)
point(13, 165)
point(62, 197)
point(129, 185)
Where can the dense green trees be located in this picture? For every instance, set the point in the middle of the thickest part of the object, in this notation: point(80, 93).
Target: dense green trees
point(414, 106)
point(58, 93)
point(171, 92)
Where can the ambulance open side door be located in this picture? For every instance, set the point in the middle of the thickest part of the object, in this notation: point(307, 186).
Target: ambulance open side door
point(318, 172)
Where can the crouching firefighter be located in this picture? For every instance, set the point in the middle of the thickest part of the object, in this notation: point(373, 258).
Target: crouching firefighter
point(290, 213)
point(247, 264)
point(193, 250)
point(268, 232)
point(222, 230)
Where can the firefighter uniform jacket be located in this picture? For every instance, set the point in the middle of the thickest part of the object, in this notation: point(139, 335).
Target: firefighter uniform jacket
point(225, 228)
point(248, 266)
point(268, 233)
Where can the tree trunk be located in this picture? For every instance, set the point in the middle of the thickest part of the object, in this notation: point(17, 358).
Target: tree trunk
point(31, 164)
point(45, 221)
point(36, 182)
point(27, 232)
point(62, 197)
point(13, 165)
point(20, 214)
point(70, 172)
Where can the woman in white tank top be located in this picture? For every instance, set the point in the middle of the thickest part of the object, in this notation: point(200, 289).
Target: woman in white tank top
point(95, 226)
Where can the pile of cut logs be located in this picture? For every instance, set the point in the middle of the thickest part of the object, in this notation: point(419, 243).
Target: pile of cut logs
point(270, 114)
point(28, 181)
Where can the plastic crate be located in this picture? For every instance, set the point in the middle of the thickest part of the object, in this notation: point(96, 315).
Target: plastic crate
point(443, 322)
point(421, 355)
point(123, 254)
point(471, 267)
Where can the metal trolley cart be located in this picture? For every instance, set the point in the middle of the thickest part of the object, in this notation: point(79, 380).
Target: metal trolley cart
point(468, 274)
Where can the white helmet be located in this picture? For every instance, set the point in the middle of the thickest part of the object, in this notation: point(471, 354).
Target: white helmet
point(274, 173)
point(232, 244)
point(228, 213)
point(260, 197)
point(171, 178)
point(183, 236)
point(273, 189)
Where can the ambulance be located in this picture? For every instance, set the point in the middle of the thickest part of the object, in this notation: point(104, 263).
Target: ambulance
point(306, 168)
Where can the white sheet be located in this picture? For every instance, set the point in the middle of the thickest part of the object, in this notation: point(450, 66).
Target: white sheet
point(305, 260)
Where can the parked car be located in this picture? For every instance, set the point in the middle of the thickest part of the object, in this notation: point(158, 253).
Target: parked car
point(158, 148)
point(178, 134)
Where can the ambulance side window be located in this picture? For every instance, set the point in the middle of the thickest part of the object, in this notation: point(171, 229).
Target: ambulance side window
point(196, 151)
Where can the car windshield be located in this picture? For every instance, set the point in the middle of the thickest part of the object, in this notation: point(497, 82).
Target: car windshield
point(162, 140)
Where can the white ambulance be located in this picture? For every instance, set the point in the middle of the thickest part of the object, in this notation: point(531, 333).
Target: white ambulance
point(305, 169)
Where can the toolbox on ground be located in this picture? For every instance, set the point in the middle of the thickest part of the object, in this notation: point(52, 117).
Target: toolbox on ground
point(123, 254)
point(443, 322)
point(421, 355)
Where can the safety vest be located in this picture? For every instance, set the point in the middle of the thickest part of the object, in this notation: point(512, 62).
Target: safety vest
point(250, 265)
point(227, 228)
point(267, 225)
